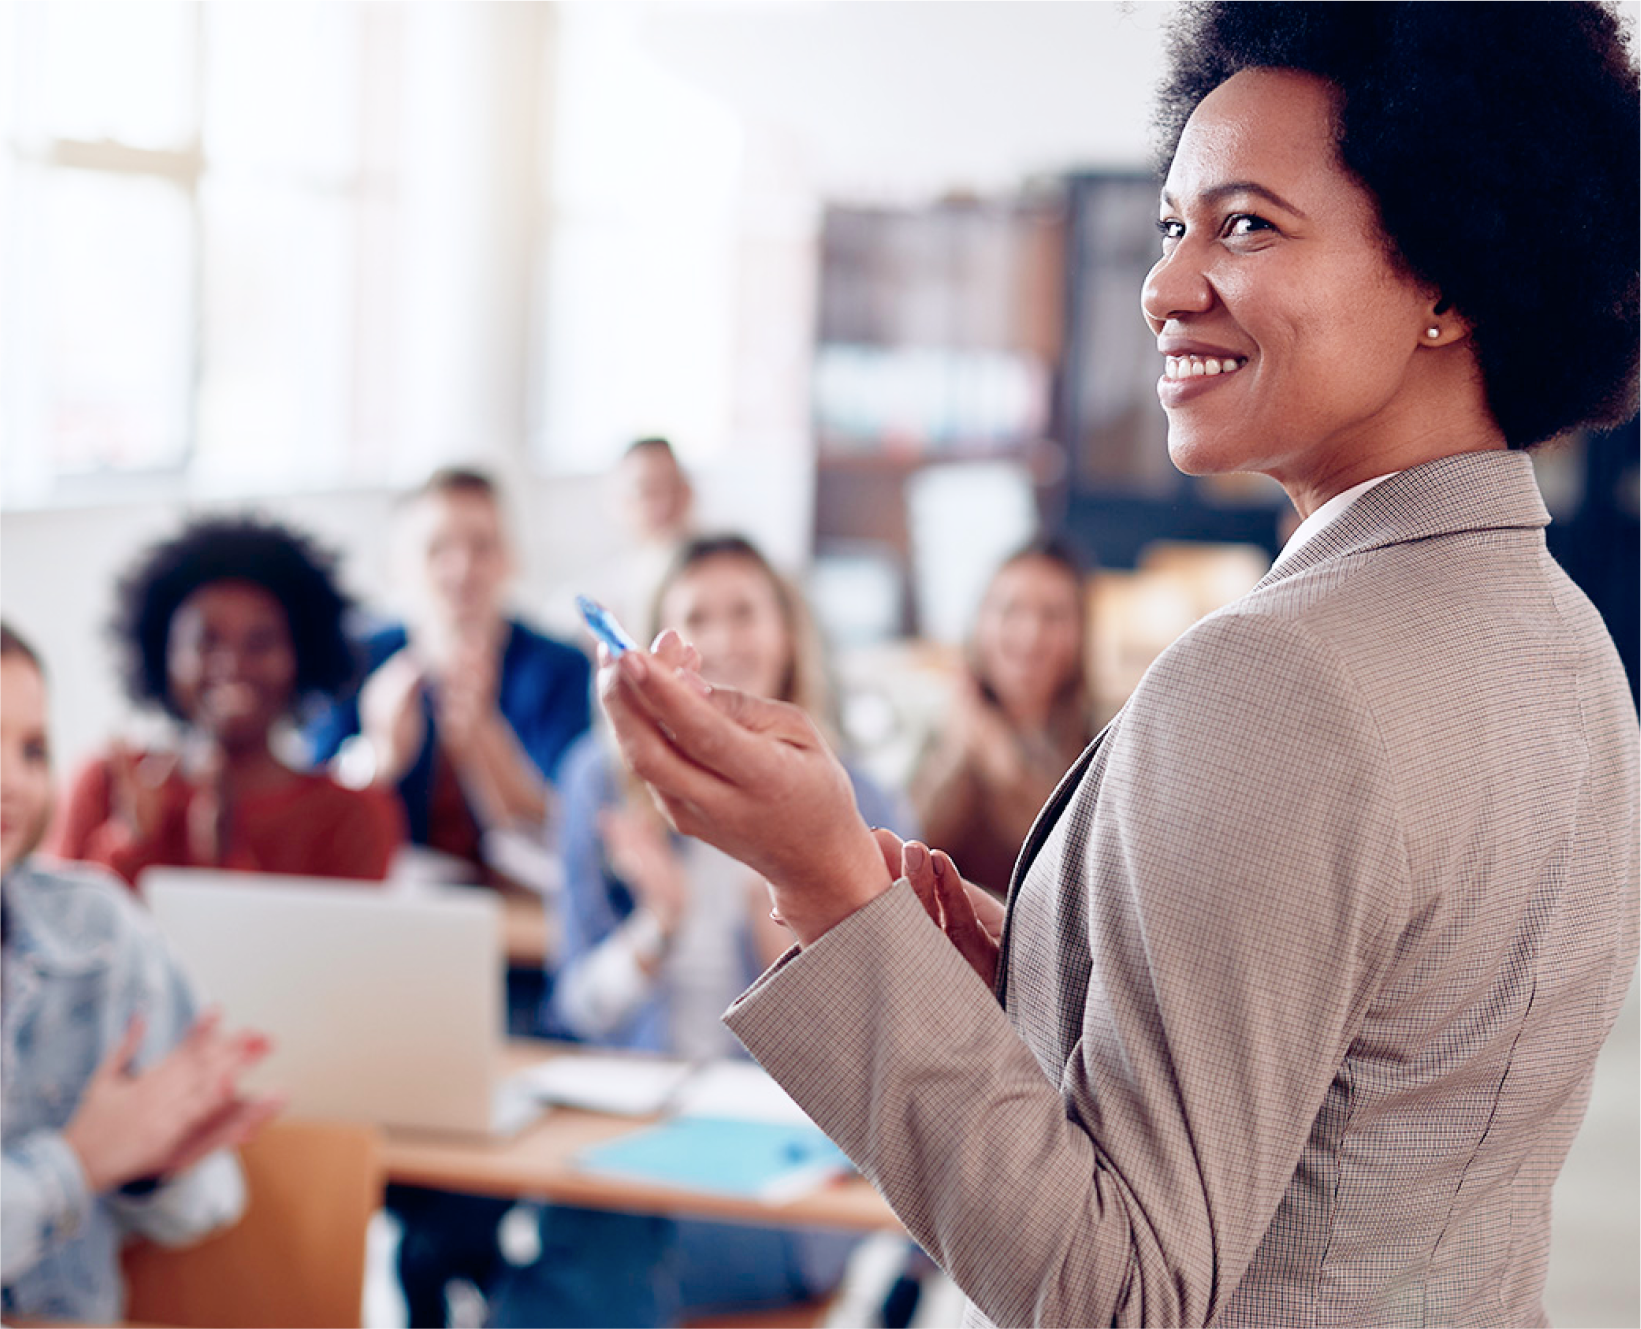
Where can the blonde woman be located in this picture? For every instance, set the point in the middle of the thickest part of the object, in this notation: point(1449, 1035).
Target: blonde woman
point(660, 933)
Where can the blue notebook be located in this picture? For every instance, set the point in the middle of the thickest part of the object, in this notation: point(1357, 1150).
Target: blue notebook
point(769, 1161)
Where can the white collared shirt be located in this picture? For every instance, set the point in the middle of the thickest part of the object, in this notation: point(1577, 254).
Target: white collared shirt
point(1325, 514)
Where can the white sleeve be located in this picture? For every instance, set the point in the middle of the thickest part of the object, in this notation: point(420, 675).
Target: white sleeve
point(609, 983)
point(208, 1196)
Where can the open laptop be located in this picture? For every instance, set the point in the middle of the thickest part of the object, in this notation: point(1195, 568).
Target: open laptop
point(384, 1006)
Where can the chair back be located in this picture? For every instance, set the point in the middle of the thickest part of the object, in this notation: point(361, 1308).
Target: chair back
point(296, 1258)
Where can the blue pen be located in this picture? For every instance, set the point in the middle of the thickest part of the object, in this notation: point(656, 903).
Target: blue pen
point(604, 625)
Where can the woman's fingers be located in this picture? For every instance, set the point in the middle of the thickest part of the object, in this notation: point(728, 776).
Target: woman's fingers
point(228, 1127)
point(943, 893)
point(989, 911)
point(891, 847)
point(722, 733)
point(918, 868)
point(673, 651)
point(645, 745)
point(204, 1069)
point(960, 921)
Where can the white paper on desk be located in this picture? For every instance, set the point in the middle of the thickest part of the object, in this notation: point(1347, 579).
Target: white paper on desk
point(625, 1086)
point(740, 1091)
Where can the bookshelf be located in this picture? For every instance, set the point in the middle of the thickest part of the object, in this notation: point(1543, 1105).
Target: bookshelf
point(1004, 330)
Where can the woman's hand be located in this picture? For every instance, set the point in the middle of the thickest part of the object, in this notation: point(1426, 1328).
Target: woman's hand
point(138, 789)
point(751, 776)
point(639, 853)
point(971, 918)
point(160, 1121)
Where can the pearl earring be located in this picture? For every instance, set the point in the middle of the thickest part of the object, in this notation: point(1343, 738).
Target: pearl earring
point(1433, 333)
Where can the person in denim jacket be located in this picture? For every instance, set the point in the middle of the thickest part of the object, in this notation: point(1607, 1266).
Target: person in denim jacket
point(119, 1104)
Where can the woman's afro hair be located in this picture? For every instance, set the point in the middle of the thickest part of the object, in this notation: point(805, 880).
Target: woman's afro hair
point(233, 548)
point(1501, 142)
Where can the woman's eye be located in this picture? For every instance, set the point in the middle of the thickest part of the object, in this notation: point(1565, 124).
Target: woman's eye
point(1171, 230)
point(1245, 223)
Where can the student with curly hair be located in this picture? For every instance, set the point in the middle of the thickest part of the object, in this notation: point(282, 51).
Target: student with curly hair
point(1292, 1012)
point(230, 627)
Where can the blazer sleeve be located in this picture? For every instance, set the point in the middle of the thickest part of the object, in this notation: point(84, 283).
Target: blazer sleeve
point(1190, 951)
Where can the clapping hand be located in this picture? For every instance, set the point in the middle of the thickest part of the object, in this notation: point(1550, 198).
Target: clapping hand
point(138, 789)
point(162, 1119)
point(971, 918)
point(746, 774)
point(639, 852)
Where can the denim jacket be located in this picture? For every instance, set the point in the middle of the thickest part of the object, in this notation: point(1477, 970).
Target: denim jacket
point(80, 959)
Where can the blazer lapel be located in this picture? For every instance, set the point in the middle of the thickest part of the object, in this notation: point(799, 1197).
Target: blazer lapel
point(1040, 828)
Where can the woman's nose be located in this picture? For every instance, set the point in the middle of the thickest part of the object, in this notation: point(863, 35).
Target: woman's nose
point(224, 662)
point(1175, 286)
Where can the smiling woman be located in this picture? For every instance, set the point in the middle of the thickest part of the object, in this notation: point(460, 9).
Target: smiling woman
point(1292, 1012)
point(1343, 365)
point(230, 627)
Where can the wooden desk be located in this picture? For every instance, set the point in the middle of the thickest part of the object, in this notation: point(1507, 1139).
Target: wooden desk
point(537, 1163)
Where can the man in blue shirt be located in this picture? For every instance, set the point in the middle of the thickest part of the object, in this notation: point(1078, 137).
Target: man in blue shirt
point(465, 711)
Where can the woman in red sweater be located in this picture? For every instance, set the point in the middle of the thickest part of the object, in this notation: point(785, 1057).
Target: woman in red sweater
point(230, 628)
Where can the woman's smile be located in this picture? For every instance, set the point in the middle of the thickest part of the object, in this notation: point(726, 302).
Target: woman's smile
point(1188, 370)
point(1179, 368)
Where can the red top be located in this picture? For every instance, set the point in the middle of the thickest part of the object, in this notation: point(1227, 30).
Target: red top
point(310, 826)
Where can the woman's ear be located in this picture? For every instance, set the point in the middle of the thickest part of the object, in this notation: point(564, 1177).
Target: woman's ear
point(1445, 325)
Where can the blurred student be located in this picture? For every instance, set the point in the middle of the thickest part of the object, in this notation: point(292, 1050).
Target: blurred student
point(465, 714)
point(656, 502)
point(657, 497)
point(230, 627)
point(660, 934)
point(465, 711)
point(1019, 719)
point(120, 1105)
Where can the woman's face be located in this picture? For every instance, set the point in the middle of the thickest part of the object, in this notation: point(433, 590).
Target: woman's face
point(25, 759)
point(230, 661)
point(1275, 274)
point(1026, 636)
point(729, 610)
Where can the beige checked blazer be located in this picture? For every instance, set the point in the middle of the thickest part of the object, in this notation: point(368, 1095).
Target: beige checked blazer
point(1307, 961)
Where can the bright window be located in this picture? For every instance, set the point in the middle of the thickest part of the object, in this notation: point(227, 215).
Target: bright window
point(200, 244)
